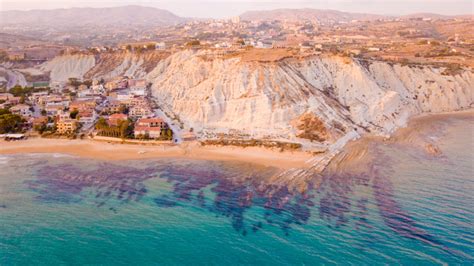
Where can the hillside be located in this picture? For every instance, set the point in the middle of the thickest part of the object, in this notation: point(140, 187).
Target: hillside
point(321, 15)
point(125, 16)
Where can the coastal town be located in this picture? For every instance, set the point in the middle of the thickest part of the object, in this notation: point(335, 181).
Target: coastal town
point(120, 108)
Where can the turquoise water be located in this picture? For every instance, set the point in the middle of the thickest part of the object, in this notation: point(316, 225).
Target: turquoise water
point(412, 209)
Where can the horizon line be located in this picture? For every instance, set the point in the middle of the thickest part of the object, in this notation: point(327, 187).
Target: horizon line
point(249, 10)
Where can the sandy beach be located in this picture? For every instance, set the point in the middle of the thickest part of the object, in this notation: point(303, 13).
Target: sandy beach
point(353, 152)
point(116, 151)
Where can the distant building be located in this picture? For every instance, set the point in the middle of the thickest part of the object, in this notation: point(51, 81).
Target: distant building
point(235, 20)
point(5, 96)
point(83, 105)
point(115, 118)
point(113, 106)
point(39, 84)
point(65, 126)
point(373, 49)
point(160, 46)
point(54, 109)
point(140, 111)
point(21, 109)
point(87, 116)
point(149, 126)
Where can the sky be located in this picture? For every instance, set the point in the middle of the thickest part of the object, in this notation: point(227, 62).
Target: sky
point(229, 8)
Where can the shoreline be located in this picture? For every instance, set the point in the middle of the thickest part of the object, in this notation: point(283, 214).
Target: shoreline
point(103, 150)
point(423, 132)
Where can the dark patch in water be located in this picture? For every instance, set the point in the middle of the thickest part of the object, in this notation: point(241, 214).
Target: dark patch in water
point(235, 189)
point(64, 183)
point(164, 201)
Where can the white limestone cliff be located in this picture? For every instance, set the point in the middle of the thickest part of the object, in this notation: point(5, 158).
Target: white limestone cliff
point(263, 99)
point(250, 99)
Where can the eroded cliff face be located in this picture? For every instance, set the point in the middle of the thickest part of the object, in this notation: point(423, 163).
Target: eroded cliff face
point(319, 101)
point(62, 68)
point(106, 65)
point(270, 99)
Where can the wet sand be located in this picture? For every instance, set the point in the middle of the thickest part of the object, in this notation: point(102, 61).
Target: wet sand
point(422, 133)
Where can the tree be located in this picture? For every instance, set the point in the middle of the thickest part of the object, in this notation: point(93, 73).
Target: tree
point(101, 124)
point(125, 128)
point(19, 91)
point(10, 123)
point(74, 114)
point(169, 134)
point(40, 128)
point(4, 111)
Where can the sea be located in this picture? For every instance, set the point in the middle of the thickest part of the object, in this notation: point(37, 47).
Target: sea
point(409, 208)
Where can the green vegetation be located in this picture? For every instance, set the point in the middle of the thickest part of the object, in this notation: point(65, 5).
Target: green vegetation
point(10, 123)
point(76, 82)
point(23, 92)
point(73, 114)
point(43, 129)
point(166, 134)
point(254, 143)
point(4, 111)
point(145, 136)
point(123, 130)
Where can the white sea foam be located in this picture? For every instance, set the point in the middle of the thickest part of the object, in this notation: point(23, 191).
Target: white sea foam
point(4, 159)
